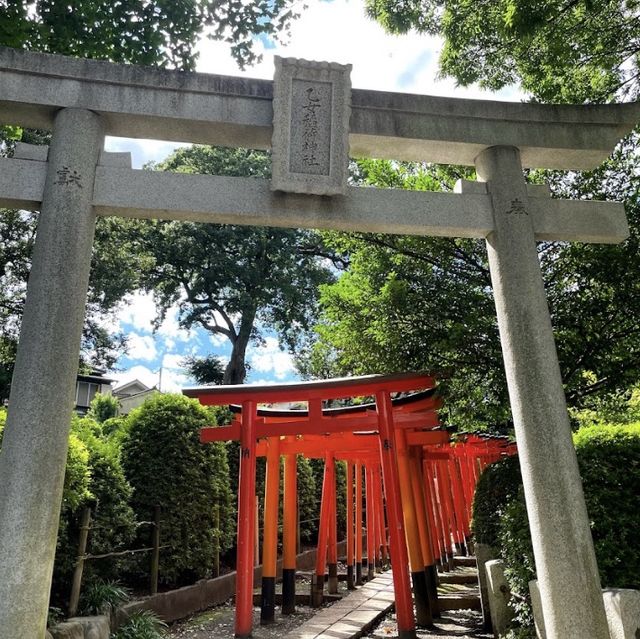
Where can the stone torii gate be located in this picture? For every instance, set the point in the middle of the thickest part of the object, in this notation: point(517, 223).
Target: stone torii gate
point(314, 118)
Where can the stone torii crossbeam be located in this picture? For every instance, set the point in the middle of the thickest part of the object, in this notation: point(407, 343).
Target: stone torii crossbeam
point(82, 100)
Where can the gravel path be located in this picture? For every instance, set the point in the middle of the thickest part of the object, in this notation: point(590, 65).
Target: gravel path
point(461, 624)
point(218, 623)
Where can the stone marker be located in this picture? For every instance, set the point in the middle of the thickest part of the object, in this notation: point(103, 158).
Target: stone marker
point(484, 553)
point(536, 607)
point(622, 606)
point(499, 596)
point(311, 108)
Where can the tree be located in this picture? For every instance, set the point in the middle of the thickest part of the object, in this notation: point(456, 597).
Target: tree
point(158, 33)
point(426, 303)
point(204, 370)
point(234, 280)
point(559, 50)
point(167, 466)
point(103, 407)
point(161, 33)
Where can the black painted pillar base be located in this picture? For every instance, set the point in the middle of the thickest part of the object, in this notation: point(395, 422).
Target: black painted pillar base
point(372, 571)
point(450, 565)
point(317, 591)
point(431, 575)
point(461, 550)
point(288, 591)
point(351, 583)
point(359, 573)
point(365, 569)
point(424, 618)
point(332, 587)
point(268, 600)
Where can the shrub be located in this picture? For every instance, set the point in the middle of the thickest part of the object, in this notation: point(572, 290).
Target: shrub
point(497, 485)
point(114, 522)
point(167, 466)
point(142, 625)
point(609, 462)
point(103, 407)
point(101, 597)
point(105, 490)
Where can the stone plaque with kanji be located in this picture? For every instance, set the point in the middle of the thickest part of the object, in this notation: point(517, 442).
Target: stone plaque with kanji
point(311, 109)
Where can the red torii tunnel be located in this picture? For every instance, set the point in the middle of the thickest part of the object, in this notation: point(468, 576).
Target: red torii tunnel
point(428, 485)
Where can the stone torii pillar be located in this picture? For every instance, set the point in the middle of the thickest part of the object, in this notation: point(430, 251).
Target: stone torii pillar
point(563, 548)
point(34, 447)
point(311, 126)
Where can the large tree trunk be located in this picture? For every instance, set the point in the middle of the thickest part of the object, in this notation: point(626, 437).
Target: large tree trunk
point(236, 369)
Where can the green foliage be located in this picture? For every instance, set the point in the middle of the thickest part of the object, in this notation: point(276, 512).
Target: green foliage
point(141, 625)
point(516, 550)
point(413, 303)
point(103, 407)
point(426, 303)
point(77, 476)
point(204, 370)
point(234, 280)
point(158, 33)
point(609, 462)
point(559, 50)
point(108, 494)
point(167, 466)
point(308, 508)
point(496, 487)
point(101, 597)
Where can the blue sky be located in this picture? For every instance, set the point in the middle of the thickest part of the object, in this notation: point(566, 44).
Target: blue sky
point(336, 31)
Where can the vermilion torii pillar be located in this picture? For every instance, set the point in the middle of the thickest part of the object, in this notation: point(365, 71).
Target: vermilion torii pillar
point(498, 138)
point(330, 434)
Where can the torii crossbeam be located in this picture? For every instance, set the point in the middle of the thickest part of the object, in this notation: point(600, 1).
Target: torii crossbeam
point(74, 181)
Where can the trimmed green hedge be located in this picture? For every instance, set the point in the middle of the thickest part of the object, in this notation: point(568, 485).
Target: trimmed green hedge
point(609, 462)
point(167, 465)
point(497, 485)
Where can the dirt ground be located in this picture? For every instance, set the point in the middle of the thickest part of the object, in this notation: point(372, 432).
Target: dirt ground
point(461, 624)
point(219, 622)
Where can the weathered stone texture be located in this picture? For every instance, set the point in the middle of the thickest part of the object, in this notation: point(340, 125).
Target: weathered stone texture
point(310, 145)
point(623, 612)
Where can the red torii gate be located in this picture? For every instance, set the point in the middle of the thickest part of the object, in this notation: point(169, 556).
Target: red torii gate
point(317, 422)
point(388, 434)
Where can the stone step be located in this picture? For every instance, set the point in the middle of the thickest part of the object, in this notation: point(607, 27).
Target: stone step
point(464, 561)
point(458, 577)
point(459, 602)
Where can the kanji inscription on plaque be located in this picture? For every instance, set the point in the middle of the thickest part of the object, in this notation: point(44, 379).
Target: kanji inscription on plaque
point(311, 108)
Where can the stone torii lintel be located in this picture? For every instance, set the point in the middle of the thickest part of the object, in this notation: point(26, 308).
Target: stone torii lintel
point(125, 192)
point(142, 102)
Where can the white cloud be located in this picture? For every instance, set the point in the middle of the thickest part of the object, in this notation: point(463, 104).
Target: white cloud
point(138, 310)
point(269, 358)
point(339, 31)
point(171, 331)
point(142, 347)
point(143, 373)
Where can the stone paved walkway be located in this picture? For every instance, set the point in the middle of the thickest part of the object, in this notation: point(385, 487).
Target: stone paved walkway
point(370, 606)
point(352, 617)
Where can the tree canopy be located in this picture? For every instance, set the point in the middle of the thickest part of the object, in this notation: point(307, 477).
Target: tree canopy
point(159, 32)
point(559, 50)
point(234, 281)
point(426, 303)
